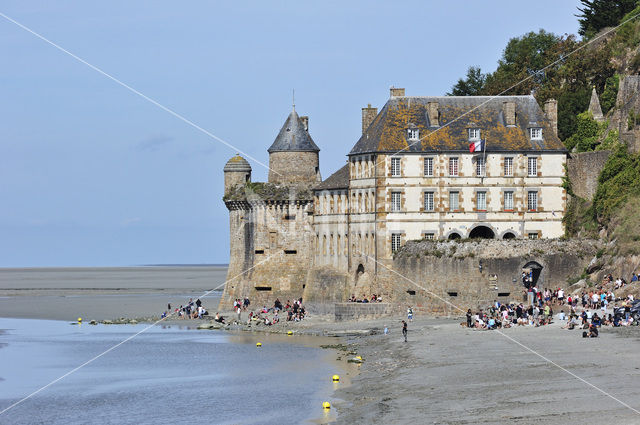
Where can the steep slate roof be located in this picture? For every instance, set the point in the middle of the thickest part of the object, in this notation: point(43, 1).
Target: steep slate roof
point(337, 180)
point(293, 137)
point(388, 132)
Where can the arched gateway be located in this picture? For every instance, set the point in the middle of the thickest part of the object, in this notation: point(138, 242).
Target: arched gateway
point(482, 232)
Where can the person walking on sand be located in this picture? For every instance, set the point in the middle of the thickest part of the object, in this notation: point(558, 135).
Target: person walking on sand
point(410, 314)
point(404, 330)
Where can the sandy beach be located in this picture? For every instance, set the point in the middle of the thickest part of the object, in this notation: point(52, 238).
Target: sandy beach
point(445, 374)
point(104, 293)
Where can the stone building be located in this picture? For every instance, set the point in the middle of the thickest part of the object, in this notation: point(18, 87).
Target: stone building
point(410, 176)
point(270, 224)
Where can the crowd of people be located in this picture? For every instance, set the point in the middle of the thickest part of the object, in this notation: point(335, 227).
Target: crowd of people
point(192, 310)
point(373, 299)
point(290, 311)
point(582, 309)
point(507, 315)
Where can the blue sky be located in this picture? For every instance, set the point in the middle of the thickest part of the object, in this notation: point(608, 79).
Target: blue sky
point(91, 174)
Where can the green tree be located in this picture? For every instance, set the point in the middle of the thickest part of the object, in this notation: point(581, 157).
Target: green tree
point(471, 85)
point(598, 14)
point(570, 104)
point(587, 134)
point(523, 59)
point(610, 93)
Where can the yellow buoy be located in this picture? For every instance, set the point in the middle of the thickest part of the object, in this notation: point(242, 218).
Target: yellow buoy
point(335, 378)
point(326, 405)
point(79, 319)
point(289, 332)
point(358, 357)
point(258, 344)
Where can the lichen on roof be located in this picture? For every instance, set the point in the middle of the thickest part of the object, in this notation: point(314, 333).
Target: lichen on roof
point(388, 131)
point(265, 192)
point(237, 163)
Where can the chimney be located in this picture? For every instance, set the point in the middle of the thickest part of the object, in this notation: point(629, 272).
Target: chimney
point(509, 111)
point(551, 112)
point(395, 92)
point(305, 121)
point(368, 115)
point(432, 111)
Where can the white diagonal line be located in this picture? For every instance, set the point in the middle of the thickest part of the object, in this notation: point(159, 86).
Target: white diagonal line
point(123, 341)
point(131, 89)
point(508, 337)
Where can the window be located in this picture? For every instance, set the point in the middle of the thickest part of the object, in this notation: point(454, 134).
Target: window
point(429, 236)
point(428, 201)
point(508, 167)
point(532, 201)
point(533, 235)
point(480, 167)
point(428, 167)
point(481, 201)
point(474, 134)
point(454, 203)
point(395, 241)
point(453, 167)
point(536, 133)
point(395, 167)
point(395, 201)
point(508, 201)
point(414, 134)
point(532, 167)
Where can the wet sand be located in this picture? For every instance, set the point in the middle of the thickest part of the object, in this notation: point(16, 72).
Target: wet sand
point(104, 293)
point(447, 374)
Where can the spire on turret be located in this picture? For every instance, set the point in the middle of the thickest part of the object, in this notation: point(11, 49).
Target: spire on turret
point(294, 136)
point(594, 106)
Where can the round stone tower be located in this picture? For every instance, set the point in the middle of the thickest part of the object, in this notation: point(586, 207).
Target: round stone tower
point(293, 156)
point(236, 171)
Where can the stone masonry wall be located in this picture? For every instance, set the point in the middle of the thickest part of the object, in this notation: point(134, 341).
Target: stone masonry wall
point(351, 311)
point(294, 167)
point(271, 251)
point(440, 277)
point(325, 286)
point(583, 170)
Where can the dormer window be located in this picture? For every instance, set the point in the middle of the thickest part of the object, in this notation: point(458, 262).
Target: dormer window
point(536, 133)
point(414, 134)
point(474, 134)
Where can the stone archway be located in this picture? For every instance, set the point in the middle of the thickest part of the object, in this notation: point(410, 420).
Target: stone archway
point(482, 232)
point(509, 235)
point(454, 235)
point(534, 269)
point(359, 272)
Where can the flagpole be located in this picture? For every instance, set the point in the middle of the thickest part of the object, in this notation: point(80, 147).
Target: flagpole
point(485, 157)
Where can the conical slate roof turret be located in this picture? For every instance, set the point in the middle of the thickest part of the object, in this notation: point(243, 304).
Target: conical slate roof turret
point(293, 137)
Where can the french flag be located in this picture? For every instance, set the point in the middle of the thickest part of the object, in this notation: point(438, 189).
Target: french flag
point(476, 146)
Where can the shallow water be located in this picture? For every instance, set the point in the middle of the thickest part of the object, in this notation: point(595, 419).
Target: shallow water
point(165, 375)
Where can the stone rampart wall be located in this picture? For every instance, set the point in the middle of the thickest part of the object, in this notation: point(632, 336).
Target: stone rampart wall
point(447, 277)
point(355, 311)
point(583, 170)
